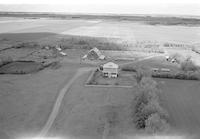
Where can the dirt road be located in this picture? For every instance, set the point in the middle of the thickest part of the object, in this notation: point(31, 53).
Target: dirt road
point(58, 102)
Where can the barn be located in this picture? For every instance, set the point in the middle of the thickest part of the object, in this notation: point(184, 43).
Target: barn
point(94, 54)
point(110, 69)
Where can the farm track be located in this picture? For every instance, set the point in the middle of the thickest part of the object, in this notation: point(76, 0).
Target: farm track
point(58, 101)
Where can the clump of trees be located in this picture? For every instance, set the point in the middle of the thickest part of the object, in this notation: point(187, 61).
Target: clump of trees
point(188, 65)
point(148, 114)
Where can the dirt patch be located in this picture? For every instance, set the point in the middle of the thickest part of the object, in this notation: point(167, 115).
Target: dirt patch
point(21, 67)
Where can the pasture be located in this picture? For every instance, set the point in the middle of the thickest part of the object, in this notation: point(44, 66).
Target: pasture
point(181, 99)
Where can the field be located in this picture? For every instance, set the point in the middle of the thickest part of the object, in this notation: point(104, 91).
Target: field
point(124, 30)
point(26, 101)
point(181, 99)
point(82, 112)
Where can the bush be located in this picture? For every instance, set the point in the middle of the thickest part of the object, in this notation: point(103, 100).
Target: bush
point(129, 68)
point(55, 65)
point(26, 45)
point(188, 65)
point(156, 124)
point(140, 73)
point(189, 75)
point(153, 107)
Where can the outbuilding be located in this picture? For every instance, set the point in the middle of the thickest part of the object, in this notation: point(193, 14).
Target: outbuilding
point(110, 69)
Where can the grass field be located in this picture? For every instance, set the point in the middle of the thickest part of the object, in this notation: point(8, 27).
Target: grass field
point(26, 100)
point(81, 113)
point(181, 99)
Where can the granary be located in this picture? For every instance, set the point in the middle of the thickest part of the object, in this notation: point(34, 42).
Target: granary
point(110, 69)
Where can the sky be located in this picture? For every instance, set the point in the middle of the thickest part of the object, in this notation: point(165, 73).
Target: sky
point(174, 7)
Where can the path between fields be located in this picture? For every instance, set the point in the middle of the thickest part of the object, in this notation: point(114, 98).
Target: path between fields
point(59, 99)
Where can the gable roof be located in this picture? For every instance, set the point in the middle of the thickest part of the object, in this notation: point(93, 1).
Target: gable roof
point(96, 51)
point(110, 65)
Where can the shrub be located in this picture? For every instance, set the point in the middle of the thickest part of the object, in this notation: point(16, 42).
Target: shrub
point(188, 65)
point(184, 75)
point(55, 65)
point(155, 124)
point(153, 107)
point(26, 45)
point(140, 73)
point(129, 68)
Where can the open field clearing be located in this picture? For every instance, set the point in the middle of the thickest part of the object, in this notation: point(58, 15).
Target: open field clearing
point(124, 30)
point(26, 100)
point(83, 109)
point(130, 31)
point(40, 25)
point(181, 99)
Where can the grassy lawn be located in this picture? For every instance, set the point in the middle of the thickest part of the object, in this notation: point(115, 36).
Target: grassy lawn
point(26, 100)
point(124, 79)
point(83, 108)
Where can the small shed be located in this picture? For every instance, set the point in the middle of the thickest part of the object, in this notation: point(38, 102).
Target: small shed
point(110, 69)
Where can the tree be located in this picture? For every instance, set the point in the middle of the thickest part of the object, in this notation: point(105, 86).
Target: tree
point(153, 107)
point(155, 124)
point(188, 65)
point(140, 73)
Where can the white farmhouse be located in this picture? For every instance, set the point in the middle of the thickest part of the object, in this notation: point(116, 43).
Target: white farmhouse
point(110, 69)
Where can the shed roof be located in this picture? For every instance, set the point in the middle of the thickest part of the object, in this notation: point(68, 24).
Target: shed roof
point(111, 65)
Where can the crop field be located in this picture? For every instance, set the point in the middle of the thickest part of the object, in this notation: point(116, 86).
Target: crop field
point(124, 30)
point(129, 31)
point(181, 99)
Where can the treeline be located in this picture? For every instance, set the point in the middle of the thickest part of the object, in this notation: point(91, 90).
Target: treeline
point(148, 113)
point(187, 71)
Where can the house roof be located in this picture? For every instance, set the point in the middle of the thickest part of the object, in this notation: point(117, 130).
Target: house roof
point(110, 65)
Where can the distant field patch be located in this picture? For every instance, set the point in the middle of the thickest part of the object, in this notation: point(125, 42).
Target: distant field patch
point(21, 67)
point(25, 36)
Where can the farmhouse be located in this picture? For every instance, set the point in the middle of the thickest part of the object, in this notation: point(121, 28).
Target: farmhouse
point(110, 69)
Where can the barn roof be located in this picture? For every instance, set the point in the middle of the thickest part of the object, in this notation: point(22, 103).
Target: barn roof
point(96, 51)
